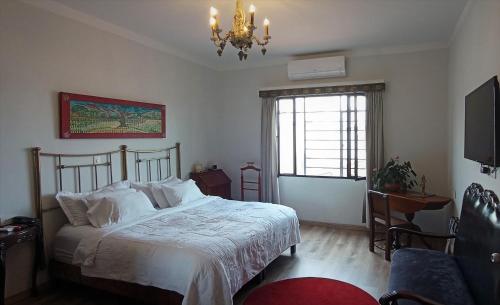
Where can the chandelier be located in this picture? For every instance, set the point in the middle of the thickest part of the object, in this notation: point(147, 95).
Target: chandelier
point(241, 36)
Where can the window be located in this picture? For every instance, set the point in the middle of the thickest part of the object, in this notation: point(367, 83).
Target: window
point(322, 136)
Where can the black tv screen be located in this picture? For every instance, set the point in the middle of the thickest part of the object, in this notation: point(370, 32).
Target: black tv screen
point(482, 122)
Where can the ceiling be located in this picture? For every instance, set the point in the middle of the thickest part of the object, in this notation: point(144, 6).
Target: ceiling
point(298, 27)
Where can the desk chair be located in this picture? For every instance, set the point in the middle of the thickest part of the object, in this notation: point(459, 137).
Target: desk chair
point(379, 215)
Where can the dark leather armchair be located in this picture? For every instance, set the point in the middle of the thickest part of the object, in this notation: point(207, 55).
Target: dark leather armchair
point(470, 276)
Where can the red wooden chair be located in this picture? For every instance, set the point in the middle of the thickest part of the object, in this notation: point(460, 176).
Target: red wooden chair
point(255, 185)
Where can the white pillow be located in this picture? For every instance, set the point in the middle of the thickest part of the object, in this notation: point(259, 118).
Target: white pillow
point(155, 196)
point(158, 195)
point(146, 189)
point(181, 193)
point(119, 208)
point(73, 204)
point(119, 185)
point(92, 200)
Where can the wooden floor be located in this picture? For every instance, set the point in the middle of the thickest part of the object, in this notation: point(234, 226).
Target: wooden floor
point(324, 252)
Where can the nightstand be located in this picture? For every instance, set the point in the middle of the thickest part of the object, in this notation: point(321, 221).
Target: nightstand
point(31, 232)
point(213, 182)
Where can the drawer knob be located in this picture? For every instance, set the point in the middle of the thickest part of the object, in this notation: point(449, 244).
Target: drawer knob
point(495, 258)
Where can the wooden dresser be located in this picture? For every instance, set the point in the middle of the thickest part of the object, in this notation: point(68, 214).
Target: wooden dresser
point(213, 182)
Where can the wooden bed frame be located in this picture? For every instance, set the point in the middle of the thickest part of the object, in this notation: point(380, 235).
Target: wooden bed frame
point(72, 273)
point(147, 294)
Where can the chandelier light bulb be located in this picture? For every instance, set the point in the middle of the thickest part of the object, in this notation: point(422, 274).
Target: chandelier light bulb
point(213, 21)
point(252, 14)
point(213, 11)
point(266, 27)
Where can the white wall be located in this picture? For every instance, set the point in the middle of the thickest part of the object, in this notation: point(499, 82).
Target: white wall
point(474, 58)
point(42, 54)
point(415, 121)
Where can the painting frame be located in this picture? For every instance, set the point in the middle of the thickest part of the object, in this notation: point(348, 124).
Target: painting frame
point(66, 118)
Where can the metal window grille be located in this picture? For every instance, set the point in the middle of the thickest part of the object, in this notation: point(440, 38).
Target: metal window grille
point(322, 136)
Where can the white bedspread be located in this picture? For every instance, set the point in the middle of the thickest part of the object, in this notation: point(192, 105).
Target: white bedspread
point(205, 251)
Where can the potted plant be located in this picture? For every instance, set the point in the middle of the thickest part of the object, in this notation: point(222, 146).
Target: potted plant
point(395, 176)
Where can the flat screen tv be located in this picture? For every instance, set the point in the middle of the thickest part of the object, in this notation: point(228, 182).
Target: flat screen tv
point(482, 124)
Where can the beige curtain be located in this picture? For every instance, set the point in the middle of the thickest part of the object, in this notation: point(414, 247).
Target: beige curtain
point(374, 137)
point(269, 151)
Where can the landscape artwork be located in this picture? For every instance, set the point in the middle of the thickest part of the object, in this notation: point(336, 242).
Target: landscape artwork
point(84, 116)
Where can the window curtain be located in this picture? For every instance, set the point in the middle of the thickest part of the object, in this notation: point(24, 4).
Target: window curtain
point(374, 138)
point(269, 151)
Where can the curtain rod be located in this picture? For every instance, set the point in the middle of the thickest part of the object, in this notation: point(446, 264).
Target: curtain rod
point(321, 89)
point(348, 83)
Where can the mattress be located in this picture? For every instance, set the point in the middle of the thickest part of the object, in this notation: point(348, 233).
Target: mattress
point(67, 240)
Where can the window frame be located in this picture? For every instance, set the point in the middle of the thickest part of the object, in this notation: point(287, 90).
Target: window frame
point(355, 178)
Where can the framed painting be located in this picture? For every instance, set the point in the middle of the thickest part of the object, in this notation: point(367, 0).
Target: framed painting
point(85, 116)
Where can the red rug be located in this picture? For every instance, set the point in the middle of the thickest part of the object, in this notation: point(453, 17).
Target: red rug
point(309, 291)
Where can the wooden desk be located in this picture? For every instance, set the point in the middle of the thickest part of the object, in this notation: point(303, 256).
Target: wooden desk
point(409, 203)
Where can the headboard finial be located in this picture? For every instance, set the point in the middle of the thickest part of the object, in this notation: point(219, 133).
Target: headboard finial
point(36, 181)
point(178, 159)
point(123, 153)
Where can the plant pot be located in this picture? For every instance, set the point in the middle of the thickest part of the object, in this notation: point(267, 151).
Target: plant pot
point(392, 187)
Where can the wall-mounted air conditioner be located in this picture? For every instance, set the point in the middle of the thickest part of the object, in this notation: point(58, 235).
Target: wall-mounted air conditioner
point(317, 68)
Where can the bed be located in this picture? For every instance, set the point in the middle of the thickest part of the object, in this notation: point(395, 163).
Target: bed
point(201, 252)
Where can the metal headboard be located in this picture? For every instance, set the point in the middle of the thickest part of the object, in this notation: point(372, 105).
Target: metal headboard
point(64, 162)
point(153, 159)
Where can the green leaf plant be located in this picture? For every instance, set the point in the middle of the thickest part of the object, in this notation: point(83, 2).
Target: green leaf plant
point(395, 172)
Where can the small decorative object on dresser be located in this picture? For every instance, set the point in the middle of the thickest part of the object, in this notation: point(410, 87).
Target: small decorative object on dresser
point(213, 182)
point(423, 183)
point(211, 165)
point(197, 167)
point(24, 229)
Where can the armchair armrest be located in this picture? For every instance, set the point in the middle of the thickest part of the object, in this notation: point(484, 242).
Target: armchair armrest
point(393, 236)
point(418, 233)
point(392, 298)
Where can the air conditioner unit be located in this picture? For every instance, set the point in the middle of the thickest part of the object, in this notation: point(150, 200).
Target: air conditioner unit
point(317, 68)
